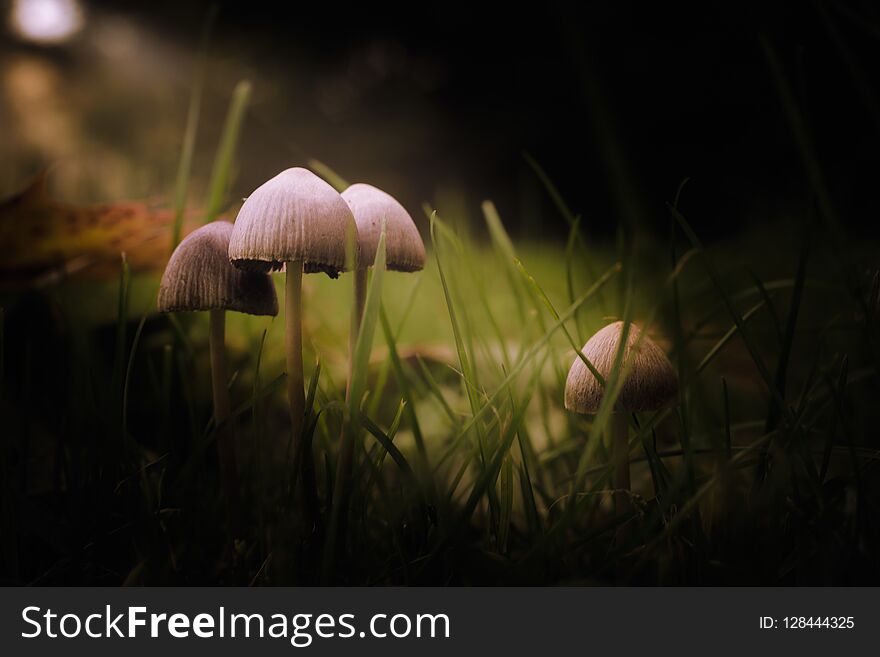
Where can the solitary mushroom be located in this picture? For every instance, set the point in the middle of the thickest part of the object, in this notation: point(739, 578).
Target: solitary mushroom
point(650, 384)
point(199, 277)
point(297, 222)
point(404, 251)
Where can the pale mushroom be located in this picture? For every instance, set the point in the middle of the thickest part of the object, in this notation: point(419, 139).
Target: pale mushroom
point(650, 384)
point(297, 222)
point(404, 251)
point(198, 277)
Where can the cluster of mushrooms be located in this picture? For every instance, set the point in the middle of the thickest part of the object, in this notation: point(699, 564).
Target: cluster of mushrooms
point(298, 223)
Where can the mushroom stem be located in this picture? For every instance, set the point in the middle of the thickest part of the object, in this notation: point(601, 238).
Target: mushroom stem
point(296, 397)
point(293, 350)
point(357, 315)
point(620, 437)
point(219, 378)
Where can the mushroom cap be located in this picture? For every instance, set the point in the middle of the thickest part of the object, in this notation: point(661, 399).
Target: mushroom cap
point(199, 276)
point(405, 250)
point(293, 216)
point(651, 382)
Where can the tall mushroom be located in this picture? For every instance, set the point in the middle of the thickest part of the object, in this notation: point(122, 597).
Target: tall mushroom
point(650, 383)
point(297, 222)
point(198, 277)
point(404, 251)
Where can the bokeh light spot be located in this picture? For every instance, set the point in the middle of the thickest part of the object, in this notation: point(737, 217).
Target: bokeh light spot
point(46, 21)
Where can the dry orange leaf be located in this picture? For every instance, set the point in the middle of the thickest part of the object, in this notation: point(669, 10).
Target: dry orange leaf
point(44, 239)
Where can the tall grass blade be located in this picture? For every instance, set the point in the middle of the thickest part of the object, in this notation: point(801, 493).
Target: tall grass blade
point(364, 343)
point(128, 370)
point(223, 161)
point(403, 386)
point(734, 314)
point(388, 445)
point(463, 357)
point(797, 294)
point(537, 347)
point(184, 167)
point(357, 390)
point(539, 293)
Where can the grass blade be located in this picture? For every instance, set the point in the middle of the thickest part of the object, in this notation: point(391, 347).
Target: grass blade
point(184, 167)
point(388, 445)
point(336, 181)
point(735, 316)
point(223, 161)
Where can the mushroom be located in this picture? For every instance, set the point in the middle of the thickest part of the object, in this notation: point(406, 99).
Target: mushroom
point(404, 251)
point(650, 384)
point(297, 222)
point(198, 277)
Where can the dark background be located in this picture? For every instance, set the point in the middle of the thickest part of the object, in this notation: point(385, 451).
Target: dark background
point(618, 101)
point(670, 89)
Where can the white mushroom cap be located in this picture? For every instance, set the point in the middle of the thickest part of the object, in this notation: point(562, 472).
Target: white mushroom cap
point(293, 216)
point(651, 382)
point(199, 276)
point(405, 250)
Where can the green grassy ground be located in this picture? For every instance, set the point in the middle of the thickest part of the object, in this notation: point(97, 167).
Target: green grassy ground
point(468, 469)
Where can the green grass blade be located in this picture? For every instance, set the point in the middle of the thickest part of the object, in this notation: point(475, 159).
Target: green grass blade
point(388, 445)
point(503, 246)
point(487, 478)
point(552, 190)
point(722, 342)
point(129, 367)
point(357, 390)
point(377, 461)
point(403, 386)
point(222, 172)
point(336, 181)
point(364, 343)
point(539, 293)
point(737, 318)
point(434, 388)
point(537, 347)
point(463, 357)
point(184, 167)
point(684, 512)
point(797, 294)
point(771, 308)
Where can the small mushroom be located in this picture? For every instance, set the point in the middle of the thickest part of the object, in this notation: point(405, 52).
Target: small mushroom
point(198, 277)
point(650, 384)
point(297, 222)
point(404, 251)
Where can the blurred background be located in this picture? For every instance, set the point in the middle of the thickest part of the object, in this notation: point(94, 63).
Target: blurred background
point(617, 101)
